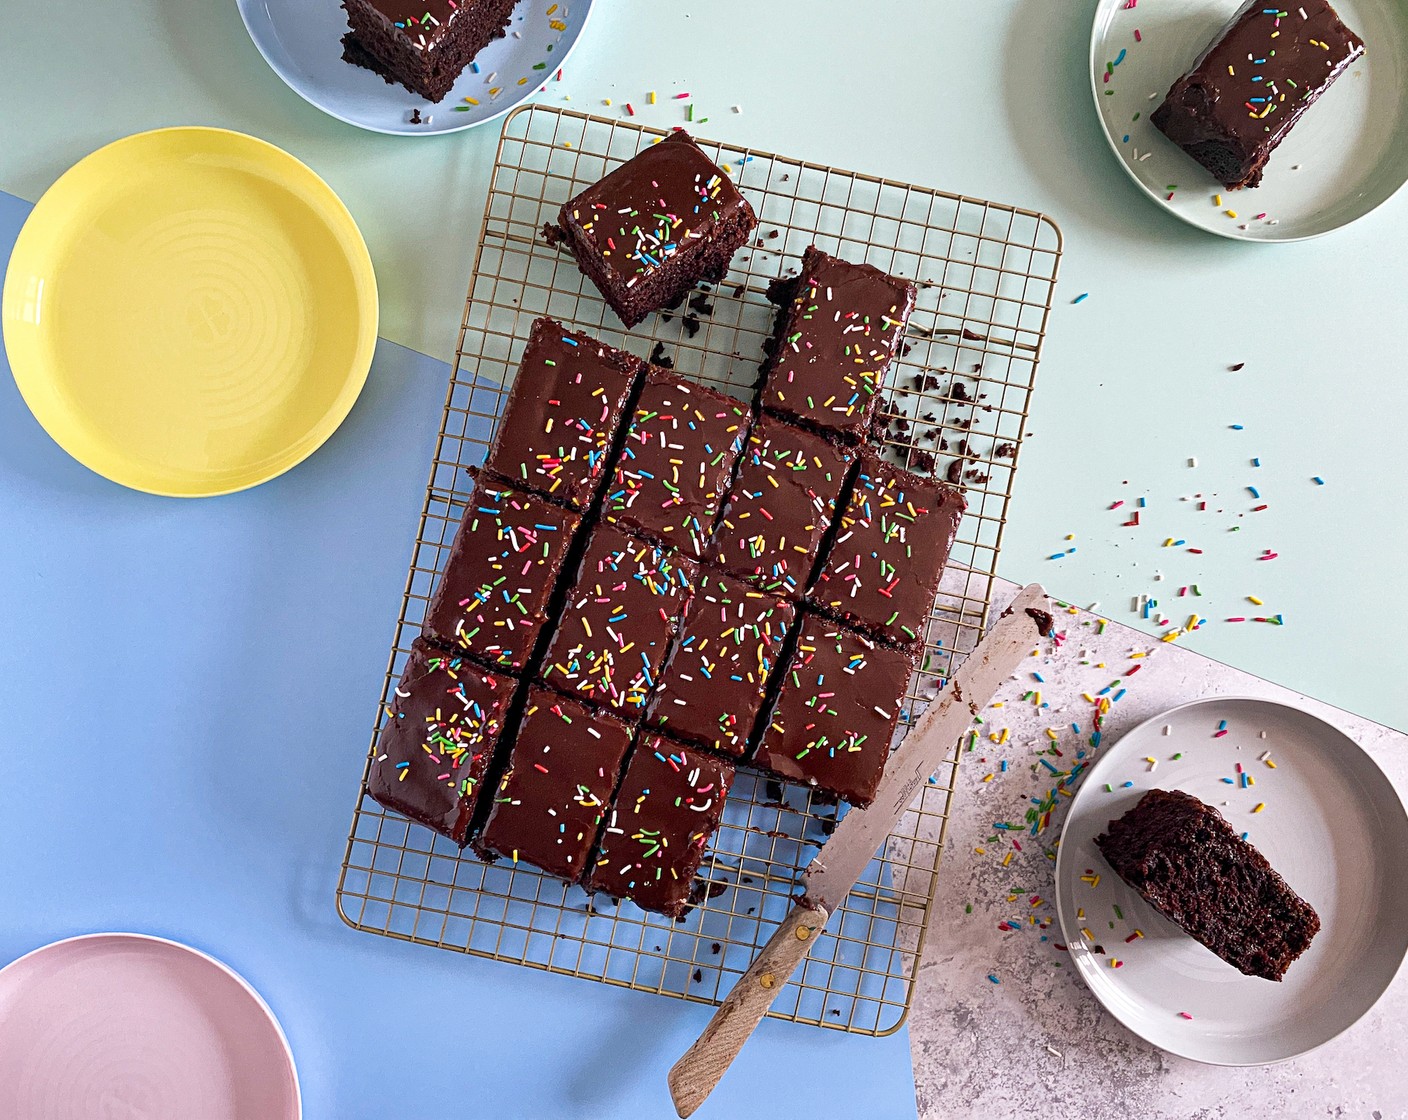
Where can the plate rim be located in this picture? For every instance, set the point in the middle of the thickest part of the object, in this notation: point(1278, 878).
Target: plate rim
point(191, 950)
point(1102, 11)
point(1062, 859)
point(335, 216)
point(529, 92)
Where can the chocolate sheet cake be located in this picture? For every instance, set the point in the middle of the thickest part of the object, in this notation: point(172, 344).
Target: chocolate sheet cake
point(1194, 868)
point(422, 44)
point(1245, 92)
point(654, 227)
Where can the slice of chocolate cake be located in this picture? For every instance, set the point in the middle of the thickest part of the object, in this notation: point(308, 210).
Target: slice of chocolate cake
point(1193, 867)
point(422, 44)
point(1245, 92)
point(657, 225)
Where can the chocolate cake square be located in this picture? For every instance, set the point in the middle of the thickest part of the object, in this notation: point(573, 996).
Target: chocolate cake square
point(1245, 92)
point(569, 401)
point(835, 716)
point(445, 719)
point(557, 786)
point(781, 506)
point(1193, 867)
point(619, 619)
point(494, 595)
point(422, 44)
point(712, 688)
point(670, 802)
point(892, 542)
point(677, 460)
point(837, 334)
point(654, 227)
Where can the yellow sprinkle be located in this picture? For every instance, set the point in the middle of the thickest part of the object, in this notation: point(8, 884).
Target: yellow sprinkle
point(1088, 935)
point(981, 851)
point(496, 91)
point(988, 778)
point(1139, 933)
point(1171, 636)
point(1217, 200)
point(652, 97)
point(1088, 698)
point(1230, 213)
point(606, 101)
point(1231, 71)
point(1052, 733)
point(1080, 913)
point(1036, 699)
point(1006, 859)
point(1114, 962)
point(1270, 764)
point(471, 101)
point(999, 704)
point(1253, 599)
point(1137, 656)
point(552, 9)
point(1250, 780)
point(1006, 734)
point(1260, 805)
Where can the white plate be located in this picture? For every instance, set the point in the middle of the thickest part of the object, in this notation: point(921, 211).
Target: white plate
point(302, 43)
point(1332, 826)
point(1348, 146)
point(118, 1025)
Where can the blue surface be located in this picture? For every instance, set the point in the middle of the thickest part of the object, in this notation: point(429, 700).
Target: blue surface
point(187, 689)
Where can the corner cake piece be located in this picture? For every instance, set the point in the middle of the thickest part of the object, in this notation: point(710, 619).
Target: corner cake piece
point(892, 543)
point(619, 619)
point(441, 729)
point(676, 462)
point(654, 227)
point(835, 716)
point(570, 398)
point(670, 802)
point(422, 44)
point(557, 786)
point(493, 596)
point(1193, 867)
point(713, 686)
point(1245, 92)
point(781, 506)
point(834, 341)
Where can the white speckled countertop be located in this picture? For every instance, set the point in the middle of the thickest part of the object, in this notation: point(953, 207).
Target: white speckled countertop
point(1038, 1043)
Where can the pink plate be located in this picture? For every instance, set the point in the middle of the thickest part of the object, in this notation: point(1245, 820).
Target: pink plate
point(123, 1025)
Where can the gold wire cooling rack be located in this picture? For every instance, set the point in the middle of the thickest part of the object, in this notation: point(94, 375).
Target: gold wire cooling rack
point(956, 402)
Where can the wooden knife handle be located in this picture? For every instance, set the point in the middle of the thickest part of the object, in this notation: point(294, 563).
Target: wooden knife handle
point(694, 1076)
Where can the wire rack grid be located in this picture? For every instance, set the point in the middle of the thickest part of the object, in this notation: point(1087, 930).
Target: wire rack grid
point(956, 401)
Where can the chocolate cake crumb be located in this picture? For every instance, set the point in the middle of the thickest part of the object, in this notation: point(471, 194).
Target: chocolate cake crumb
point(658, 357)
point(1044, 622)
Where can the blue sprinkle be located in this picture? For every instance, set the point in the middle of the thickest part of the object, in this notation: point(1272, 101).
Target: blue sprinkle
point(1118, 696)
point(1228, 781)
point(1048, 766)
point(1083, 296)
point(1127, 785)
point(1004, 765)
point(1237, 427)
point(1318, 480)
point(1039, 677)
point(1256, 462)
point(993, 978)
point(1253, 492)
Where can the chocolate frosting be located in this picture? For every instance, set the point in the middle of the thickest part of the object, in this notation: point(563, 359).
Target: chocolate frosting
point(1243, 94)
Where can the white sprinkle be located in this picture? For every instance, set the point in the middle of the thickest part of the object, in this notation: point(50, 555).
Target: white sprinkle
point(1145, 156)
point(1168, 730)
point(1052, 1050)
point(1261, 734)
point(1192, 462)
point(738, 109)
point(1265, 755)
point(1302, 13)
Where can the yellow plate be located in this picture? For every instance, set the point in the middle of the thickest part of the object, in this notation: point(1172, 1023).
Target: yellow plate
point(190, 311)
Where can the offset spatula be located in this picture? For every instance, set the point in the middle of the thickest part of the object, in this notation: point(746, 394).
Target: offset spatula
point(834, 871)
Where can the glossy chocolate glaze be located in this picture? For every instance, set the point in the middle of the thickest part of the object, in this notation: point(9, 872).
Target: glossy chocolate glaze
point(555, 791)
point(1244, 93)
point(492, 599)
point(835, 717)
point(445, 719)
point(892, 543)
point(669, 804)
point(646, 211)
point(568, 403)
point(836, 342)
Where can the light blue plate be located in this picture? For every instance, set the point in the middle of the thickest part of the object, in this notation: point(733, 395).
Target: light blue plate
point(302, 43)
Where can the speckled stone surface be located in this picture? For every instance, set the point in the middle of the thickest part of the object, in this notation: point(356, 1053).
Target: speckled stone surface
point(1038, 1043)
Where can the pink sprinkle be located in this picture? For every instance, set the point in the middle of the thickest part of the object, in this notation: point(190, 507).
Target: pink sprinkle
point(1107, 77)
point(1131, 4)
point(681, 96)
point(1117, 505)
point(1269, 556)
point(1219, 734)
point(1261, 215)
point(1236, 620)
point(1184, 1015)
point(630, 109)
point(1138, 38)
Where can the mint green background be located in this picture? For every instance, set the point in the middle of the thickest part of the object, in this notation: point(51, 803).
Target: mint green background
point(986, 99)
